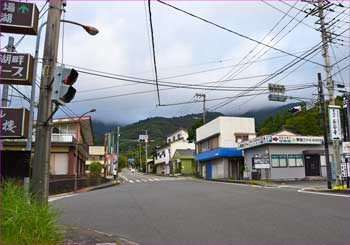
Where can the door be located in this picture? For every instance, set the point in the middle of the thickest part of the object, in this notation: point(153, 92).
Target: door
point(312, 165)
point(209, 170)
point(61, 163)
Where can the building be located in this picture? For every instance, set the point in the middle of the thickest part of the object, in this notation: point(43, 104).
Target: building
point(217, 142)
point(183, 162)
point(70, 141)
point(285, 155)
point(96, 154)
point(164, 154)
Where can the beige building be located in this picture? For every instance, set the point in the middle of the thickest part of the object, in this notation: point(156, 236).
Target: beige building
point(96, 154)
point(217, 146)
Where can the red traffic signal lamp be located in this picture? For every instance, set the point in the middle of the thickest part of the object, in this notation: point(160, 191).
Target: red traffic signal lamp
point(63, 91)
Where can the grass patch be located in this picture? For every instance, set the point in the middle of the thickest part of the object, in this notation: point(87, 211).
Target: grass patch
point(25, 221)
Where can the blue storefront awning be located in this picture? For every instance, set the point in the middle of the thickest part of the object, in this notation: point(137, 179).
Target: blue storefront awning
point(218, 153)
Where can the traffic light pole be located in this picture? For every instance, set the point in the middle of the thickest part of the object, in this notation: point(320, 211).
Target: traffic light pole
point(41, 163)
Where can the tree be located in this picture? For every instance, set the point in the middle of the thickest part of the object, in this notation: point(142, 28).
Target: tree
point(95, 169)
point(192, 131)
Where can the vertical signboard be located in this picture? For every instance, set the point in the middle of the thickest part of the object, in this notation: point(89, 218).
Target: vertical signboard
point(14, 122)
point(16, 68)
point(334, 122)
point(19, 17)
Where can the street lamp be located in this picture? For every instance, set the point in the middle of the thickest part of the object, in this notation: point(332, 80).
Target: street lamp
point(89, 29)
point(77, 142)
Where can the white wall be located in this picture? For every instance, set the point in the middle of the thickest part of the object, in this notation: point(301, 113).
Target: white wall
point(180, 145)
point(227, 127)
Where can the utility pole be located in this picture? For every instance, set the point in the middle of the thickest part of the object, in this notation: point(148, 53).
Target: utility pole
point(146, 152)
point(117, 150)
point(204, 109)
point(10, 47)
point(325, 132)
point(41, 163)
point(330, 84)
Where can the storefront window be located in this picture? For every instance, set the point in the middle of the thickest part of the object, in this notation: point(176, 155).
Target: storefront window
point(279, 161)
point(295, 160)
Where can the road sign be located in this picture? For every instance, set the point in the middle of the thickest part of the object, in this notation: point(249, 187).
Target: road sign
point(16, 68)
point(277, 97)
point(19, 17)
point(14, 122)
point(334, 122)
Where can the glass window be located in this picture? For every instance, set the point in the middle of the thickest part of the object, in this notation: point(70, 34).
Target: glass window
point(275, 162)
point(292, 162)
point(300, 162)
point(283, 162)
point(179, 136)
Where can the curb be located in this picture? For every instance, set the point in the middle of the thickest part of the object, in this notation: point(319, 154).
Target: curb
point(87, 189)
point(243, 182)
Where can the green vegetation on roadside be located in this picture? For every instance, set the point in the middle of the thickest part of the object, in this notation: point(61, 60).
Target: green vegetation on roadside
point(95, 169)
point(26, 222)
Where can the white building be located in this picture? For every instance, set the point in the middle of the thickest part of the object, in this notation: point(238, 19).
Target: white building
point(164, 154)
point(217, 146)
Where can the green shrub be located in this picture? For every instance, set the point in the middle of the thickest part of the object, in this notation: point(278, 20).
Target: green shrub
point(95, 169)
point(24, 221)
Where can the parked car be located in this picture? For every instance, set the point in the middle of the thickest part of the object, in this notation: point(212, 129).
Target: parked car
point(133, 170)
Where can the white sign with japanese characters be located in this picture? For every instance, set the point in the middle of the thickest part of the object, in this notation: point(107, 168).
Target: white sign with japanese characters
point(334, 122)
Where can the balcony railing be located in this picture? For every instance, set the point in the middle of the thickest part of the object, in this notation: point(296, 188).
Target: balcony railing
point(61, 138)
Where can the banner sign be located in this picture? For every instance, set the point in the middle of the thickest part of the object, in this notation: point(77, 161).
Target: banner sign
point(346, 147)
point(16, 68)
point(345, 169)
point(14, 122)
point(261, 161)
point(334, 122)
point(278, 139)
point(19, 17)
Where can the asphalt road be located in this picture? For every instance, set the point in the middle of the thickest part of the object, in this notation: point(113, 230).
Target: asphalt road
point(195, 211)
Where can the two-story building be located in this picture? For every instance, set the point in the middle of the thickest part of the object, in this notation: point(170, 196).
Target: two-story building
point(96, 154)
point(163, 155)
point(70, 141)
point(217, 142)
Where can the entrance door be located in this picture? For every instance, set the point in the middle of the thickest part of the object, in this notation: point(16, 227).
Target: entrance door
point(312, 165)
point(209, 170)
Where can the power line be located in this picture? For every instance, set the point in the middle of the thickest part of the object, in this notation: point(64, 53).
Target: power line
point(237, 33)
point(153, 49)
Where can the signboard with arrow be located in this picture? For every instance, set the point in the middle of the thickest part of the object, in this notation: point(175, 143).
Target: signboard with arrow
point(19, 17)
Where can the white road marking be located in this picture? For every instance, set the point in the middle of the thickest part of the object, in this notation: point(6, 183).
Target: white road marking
point(52, 199)
point(150, 179)
point(138, 180)
point(156, 179)
point(144, 180)
point(130, 181)
point(323, 193)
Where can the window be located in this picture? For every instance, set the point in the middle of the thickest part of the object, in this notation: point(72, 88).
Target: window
point(295, 160)
point(279, 161)
point(241, 137)
point(173, 138)
point(178, 136)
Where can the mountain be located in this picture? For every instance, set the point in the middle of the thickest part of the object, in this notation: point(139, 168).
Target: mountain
point(158, 127)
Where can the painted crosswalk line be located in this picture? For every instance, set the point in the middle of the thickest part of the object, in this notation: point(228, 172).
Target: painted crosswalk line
point(138, 180)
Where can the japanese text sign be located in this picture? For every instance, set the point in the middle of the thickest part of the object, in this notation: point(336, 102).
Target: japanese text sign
point(16, 68)
point(19, 17)
point(14, 122)
point(334, 122)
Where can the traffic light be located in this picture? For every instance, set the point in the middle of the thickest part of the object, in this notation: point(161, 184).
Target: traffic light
point(63, 91)
point(295, 109)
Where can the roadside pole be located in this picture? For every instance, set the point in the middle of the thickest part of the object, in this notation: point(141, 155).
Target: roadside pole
point(117, 150)
point(330, 85)
point(41, 163)
point(146, 152)
point(325, 132)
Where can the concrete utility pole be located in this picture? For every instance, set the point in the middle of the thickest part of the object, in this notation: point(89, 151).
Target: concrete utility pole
point(204, 109)
point(41, 163)
point(146, 151)
point(330, 84)
point(325, 131)
point(10, 47)
point(117, 150)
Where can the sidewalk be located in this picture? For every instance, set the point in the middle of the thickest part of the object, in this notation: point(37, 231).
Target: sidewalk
point(306, 185)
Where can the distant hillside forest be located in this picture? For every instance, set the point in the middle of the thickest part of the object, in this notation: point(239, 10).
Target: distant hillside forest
point(306, 122)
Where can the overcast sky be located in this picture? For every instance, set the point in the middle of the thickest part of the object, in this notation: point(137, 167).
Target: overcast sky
point(185, 45)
